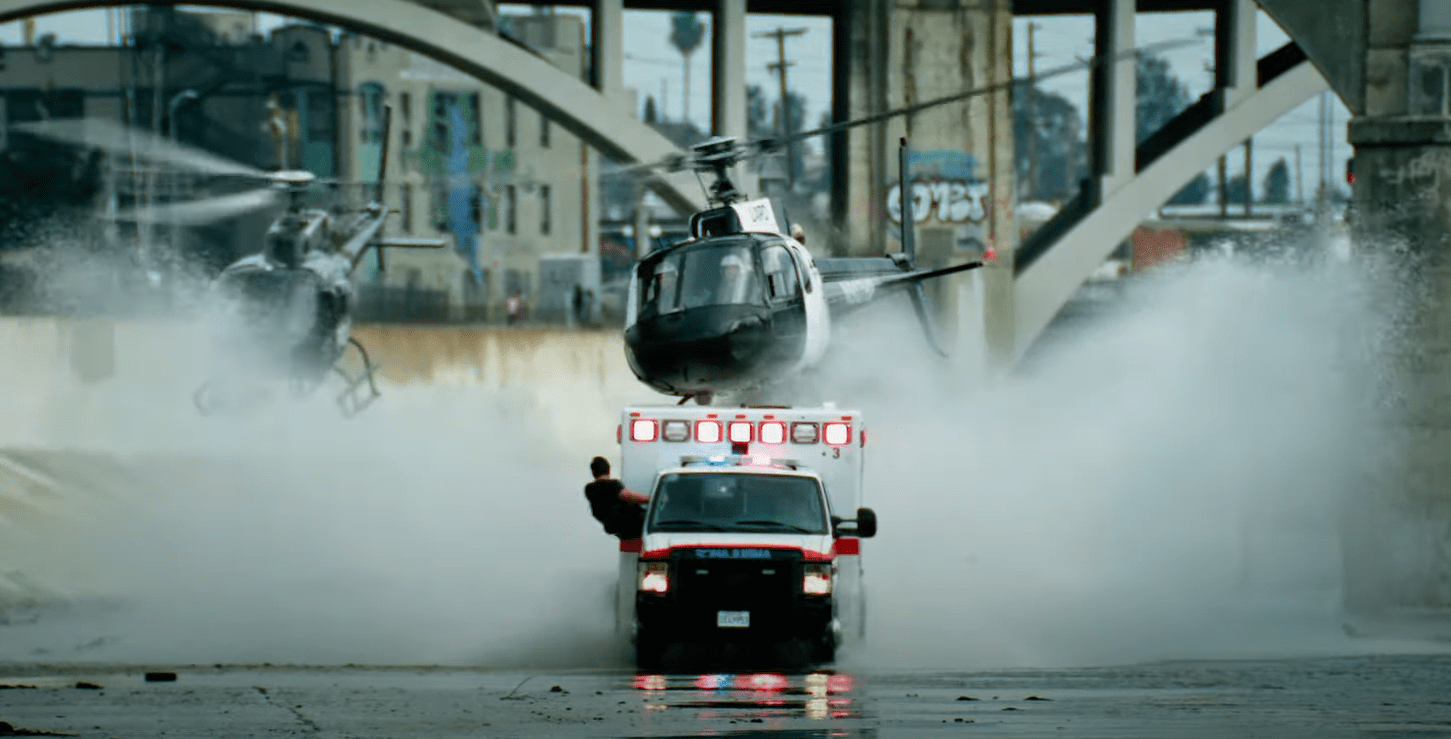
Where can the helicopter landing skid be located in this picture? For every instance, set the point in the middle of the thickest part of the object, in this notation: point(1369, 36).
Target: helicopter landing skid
point(360, 391)
point(209, 400)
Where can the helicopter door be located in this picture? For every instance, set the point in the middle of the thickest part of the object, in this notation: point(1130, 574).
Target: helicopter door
point(783, 291)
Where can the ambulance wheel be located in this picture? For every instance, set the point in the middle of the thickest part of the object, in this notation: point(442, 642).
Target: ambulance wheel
point(825, 649)
point(648, 652)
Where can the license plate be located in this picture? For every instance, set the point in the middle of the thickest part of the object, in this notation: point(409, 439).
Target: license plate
point(733, 619)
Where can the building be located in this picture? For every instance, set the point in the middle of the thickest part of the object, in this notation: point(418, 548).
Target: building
point(507, 189)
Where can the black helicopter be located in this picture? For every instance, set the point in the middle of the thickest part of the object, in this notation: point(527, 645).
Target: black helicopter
point(740, 305)
point(285, 311)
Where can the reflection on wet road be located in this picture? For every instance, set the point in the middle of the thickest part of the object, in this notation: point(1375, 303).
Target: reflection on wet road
point(1384, 696)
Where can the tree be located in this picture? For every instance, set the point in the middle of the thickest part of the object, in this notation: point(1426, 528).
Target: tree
point(1061, 156)
point(686, 34)
point(1235, 190)
point(1277, 182)
point(758, 113)
point(1194, 193)
point(1158, 97)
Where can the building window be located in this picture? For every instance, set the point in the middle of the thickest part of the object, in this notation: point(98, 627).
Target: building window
point(510, 226)
point(407, 210)
point(370, 108)
point(543, 131)
point(544, 209)
point(476, 121)
point(509, 123)
point(405, 118)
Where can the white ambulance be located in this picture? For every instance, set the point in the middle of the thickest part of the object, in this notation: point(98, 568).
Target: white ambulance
point(752, 534)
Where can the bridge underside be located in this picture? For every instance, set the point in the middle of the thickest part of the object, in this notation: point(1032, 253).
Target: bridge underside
point(1129, 180)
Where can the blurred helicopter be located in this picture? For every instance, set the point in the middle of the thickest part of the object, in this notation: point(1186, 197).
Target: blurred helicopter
point(285, 310)
point(740, 306)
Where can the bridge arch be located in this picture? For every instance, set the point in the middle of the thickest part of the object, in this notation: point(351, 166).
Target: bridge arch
point(576, 106)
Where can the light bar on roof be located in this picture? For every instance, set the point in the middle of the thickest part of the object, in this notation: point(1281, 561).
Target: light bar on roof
point(707, 432)
point(740, 432)
point(836, 433)
point(643, 429)
point(773, 432)
point(677, 431)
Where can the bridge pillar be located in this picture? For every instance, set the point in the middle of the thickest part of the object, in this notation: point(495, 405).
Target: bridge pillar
point(607, 47)
point(1235, 55)
point(1402, 204)
point(1113, 102)
point(961, 168)
point(728, 113)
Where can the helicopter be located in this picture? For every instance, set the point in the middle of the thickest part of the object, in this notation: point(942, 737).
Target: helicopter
point(284, 311)
point(740, 306)
point(741, 303)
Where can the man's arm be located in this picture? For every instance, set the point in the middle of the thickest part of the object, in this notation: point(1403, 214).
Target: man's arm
point(629, 496)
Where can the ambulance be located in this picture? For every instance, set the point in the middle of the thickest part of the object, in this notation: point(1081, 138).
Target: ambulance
point(753, 531)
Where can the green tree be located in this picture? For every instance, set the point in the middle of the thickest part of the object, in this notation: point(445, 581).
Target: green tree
point(686, 34)
point(1061, 156)
point(1277, 182)
point(1236, 189)
point(1159, 96)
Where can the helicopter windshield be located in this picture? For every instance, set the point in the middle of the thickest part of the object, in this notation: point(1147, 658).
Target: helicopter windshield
point(700, 275)
point(271, 301)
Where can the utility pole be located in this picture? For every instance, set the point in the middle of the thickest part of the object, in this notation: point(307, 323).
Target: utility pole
point(1322, 192)
point(1299, 185)
point(1249, 180)
point(1223, 188)
point(1032, 102)
point(783, 121)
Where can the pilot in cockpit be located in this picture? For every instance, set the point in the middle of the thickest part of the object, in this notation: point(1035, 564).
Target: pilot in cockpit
point(732, 280)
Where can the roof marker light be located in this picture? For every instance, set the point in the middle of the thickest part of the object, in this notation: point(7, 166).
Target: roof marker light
point(707, 432)
point(836, 434)
point(677, 431)
point(643, 429)
point(803, 433)
point(740, 432)
point(773, 432)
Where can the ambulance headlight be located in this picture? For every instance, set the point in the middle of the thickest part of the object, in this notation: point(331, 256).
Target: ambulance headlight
point(654, 577)
point(817, 580)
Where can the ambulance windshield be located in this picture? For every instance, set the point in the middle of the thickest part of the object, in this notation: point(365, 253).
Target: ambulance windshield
point(738, 502)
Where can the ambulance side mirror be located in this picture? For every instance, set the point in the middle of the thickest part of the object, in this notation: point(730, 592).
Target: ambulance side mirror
point(864, 526)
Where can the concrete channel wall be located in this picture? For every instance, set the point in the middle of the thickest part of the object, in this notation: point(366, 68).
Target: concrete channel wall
point(88, 408)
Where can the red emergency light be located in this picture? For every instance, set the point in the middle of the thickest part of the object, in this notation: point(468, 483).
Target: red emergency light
point(836, 433)
point(773, 432)
point(643, 429)
point(707, 432)
point(740, 432)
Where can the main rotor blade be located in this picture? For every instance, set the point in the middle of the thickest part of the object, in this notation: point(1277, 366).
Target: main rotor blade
point(124, 141)
point(776, 143)
point(759, 147)
point(199, 212)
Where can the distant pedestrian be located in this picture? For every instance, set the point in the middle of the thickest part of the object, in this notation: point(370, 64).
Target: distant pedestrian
point(511, 309)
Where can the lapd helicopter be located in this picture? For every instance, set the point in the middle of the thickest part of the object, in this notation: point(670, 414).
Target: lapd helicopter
point(740, 306)
point(285, 311)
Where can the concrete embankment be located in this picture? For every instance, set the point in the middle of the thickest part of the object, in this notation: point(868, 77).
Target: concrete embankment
point(89, 408)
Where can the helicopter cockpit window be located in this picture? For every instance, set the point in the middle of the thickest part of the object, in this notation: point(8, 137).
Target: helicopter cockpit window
point(782, 282)
point(719, 274)
point(700, 275)
point(660, 283)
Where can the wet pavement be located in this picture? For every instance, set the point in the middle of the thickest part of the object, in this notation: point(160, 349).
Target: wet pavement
point(1383, 697)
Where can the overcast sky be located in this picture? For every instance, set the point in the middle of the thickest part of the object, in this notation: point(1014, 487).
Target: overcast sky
point(653, 68)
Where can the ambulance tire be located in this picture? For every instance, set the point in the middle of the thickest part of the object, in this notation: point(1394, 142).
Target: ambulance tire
point(824, 652)
point(649, 652)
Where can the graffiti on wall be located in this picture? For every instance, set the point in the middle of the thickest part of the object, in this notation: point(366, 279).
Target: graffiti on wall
point(946, 190)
